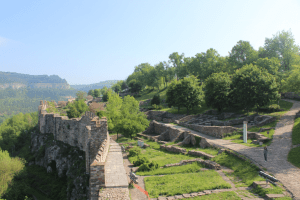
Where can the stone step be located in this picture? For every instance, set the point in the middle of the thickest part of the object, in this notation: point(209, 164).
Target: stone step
point(273, 196)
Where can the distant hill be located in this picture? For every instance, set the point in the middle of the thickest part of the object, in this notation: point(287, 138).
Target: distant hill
point(16, 80)
point(93, 86)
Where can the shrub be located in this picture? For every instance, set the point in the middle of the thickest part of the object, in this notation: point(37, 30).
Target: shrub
point(157, 107)
point(274, 107)
point(140, 161)
point(148, 166)
point(155, 99)
point(134, 151)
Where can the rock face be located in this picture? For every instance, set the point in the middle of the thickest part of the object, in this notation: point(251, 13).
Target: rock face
point(62, 158)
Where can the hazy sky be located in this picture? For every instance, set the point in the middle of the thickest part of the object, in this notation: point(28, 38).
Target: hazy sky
point(91, 41)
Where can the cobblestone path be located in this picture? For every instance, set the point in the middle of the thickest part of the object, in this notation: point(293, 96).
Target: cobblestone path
point(277, 163)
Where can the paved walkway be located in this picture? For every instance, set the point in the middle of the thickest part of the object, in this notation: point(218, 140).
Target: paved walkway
point(277, 163)
point(116, 184)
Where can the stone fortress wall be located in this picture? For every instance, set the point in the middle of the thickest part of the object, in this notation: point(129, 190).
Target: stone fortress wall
point(89, 133)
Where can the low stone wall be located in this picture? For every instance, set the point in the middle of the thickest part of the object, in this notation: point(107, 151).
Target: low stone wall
point(200, 154)
point(97, 178)
point(290, 95)
point(215, 131)
point(207, 163)
point(265, 120)
point(173, 149)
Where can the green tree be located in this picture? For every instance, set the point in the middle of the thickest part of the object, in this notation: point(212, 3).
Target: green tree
point(241, 54)
point(97, 93)
point(283, 47)
point(252, 87)
point(80, 95)
point(135, 86)
point(91, 92)
point(113, 112)
point(292, 83)
point(217, 90)
point(155, 100)
point(103, 90)
point(132, 120)
point(187, 93)
point(77, 108)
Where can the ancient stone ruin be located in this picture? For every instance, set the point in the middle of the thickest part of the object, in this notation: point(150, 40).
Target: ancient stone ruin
point(88, 133)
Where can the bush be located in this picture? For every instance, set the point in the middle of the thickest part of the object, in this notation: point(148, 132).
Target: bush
point(148, 166)
point(140, 161)
point(155, 99)
point(274, 107)
point(157, 107)
point(134, 151)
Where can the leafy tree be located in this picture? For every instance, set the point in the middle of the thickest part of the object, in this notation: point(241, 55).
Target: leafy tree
point(292, 83)
point(113, 112)
point(241, 54)
point(206, 63)
point(91, 92)
point(217, 90)
point(135, 86)
point(117, 88)
point(271, 65)
point(185, 93)
point(253, 87)
point(97, 93)
point(81, 95)
point(283, 47)
point(155, 100)
point(132, 121)
point(77, 108)
point(124, 85)
point(103, 90)
point(105, 96)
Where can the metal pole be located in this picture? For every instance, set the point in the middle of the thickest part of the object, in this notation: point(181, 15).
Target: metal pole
point(245, 132)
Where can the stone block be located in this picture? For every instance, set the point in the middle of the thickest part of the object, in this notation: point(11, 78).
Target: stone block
point(207, 191)
point(178, 197)
point(186, 195)
point(194, 194)
point(203, 143)
point(274, 196)
point(171, 198)
point(162, 198)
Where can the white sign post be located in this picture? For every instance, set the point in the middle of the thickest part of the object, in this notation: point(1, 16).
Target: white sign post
point(245, 132)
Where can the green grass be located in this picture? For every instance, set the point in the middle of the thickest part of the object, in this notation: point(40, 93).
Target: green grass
point(189, 168)
point(263, 191)
point(296, 132)
point(217, 196)
point(210, 151)
point(244, 170)
point(195, 110)
point(170, 185)
point(149, 93)
point(162, 157)
point(294, 156)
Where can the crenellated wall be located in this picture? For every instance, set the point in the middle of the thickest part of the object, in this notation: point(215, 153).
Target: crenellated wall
point(89, 133)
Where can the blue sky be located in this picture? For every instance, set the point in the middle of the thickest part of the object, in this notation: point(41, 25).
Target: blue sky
point(87, 42)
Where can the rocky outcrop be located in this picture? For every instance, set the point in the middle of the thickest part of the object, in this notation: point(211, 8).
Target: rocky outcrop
point(63, 159)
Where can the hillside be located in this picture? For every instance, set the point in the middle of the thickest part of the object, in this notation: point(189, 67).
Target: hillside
point(87, 87)
point(16, 80)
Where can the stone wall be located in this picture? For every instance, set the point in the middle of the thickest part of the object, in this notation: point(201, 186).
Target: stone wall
point(215, 131)
point(88, 133)
point(290, 95)
point(207, 163)
point(200, 154)
point(173, 149)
